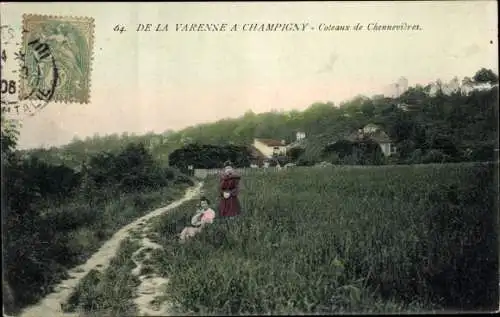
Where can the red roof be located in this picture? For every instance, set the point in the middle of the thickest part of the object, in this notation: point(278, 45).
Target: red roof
point(270, 142)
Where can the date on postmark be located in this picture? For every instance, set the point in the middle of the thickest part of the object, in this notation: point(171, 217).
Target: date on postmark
point(58, 57)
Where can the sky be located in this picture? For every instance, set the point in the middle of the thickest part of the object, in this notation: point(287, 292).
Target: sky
point(157, 81)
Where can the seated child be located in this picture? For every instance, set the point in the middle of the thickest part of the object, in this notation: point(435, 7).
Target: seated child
point(203, 216)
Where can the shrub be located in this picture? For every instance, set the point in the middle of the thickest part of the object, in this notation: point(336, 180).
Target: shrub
point(434, 156)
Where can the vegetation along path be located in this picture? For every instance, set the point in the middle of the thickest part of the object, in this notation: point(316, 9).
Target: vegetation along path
point(52, 303)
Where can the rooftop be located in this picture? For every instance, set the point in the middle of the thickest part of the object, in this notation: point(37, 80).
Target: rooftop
point(256, 154)
point(378, 136)
point(271, 142)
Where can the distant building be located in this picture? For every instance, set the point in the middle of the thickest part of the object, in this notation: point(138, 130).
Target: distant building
point(375, 133)
point(257, 157)
point(299, 141)
point(300, 136)
point(402, 86)
point(270, 147)
point(370, 128)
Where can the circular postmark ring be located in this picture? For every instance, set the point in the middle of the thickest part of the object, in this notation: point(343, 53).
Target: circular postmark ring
point(37, 80)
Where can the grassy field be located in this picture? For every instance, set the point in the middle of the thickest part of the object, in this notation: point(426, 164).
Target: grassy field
point(381, 239)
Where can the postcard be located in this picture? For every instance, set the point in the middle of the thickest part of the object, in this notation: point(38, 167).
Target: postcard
point(249, 158)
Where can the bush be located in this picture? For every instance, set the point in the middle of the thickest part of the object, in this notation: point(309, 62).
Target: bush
point(483, 153)
point(416, 157)
point(434, 156)
point(333, 158)
point(302, 161)
point(56, 227)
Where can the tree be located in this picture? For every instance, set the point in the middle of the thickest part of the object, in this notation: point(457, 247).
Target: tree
point(485, 76)
point(411, 120)
point(209, 156)
point(8, 137)
point(294, 153)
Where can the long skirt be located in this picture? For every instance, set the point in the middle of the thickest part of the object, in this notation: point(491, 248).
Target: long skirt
point(229, 207)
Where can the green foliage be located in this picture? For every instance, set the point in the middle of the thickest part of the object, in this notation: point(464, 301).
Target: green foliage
point(8, 137)
point(417, 120)
point(340, 240)
point(57, 217)
point(54, 198)
point(485, 76)
point(362, 152)
point(133, 169)
point(209, 156)
point(434, 156)
point(294, 153)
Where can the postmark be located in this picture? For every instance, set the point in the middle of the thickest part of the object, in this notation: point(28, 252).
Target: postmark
point(39, 75)
point(57, 47)
point(36, 63)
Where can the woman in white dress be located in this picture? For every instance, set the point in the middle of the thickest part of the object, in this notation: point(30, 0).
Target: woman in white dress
point(205, 215)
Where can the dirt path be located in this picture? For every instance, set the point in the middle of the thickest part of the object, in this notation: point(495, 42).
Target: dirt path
point(51, 304)
point(152, 284)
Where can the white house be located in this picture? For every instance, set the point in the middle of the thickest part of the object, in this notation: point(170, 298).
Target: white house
point(375, 133)
point(300, 135)
point(270, 147)
point(299, 140)
point(370, 128)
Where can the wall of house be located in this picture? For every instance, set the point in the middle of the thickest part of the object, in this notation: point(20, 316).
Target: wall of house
point(300, 136)
point(267, 150)
point(282, 150)
point(264, 149)
point(387, 148)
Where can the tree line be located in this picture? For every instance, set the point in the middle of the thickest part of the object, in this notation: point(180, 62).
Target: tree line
point(425, 126)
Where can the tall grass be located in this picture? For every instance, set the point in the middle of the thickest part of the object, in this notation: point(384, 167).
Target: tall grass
point(111, 292)
point(392, 239)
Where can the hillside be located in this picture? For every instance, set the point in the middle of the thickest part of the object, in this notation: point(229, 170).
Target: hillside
point(461, 124)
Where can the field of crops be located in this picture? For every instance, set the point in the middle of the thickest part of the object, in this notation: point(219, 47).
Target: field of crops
point(382, 239)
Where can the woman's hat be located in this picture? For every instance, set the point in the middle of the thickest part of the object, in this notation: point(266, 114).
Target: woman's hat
point(227, 163)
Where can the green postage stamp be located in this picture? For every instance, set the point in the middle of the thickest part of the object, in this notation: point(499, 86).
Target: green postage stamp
point(57, 57)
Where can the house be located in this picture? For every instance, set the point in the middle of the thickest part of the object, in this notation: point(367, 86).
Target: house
point(270, 147)
point(375, 133)
point(299, 141)
point(371, 132)
point(257, 157)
